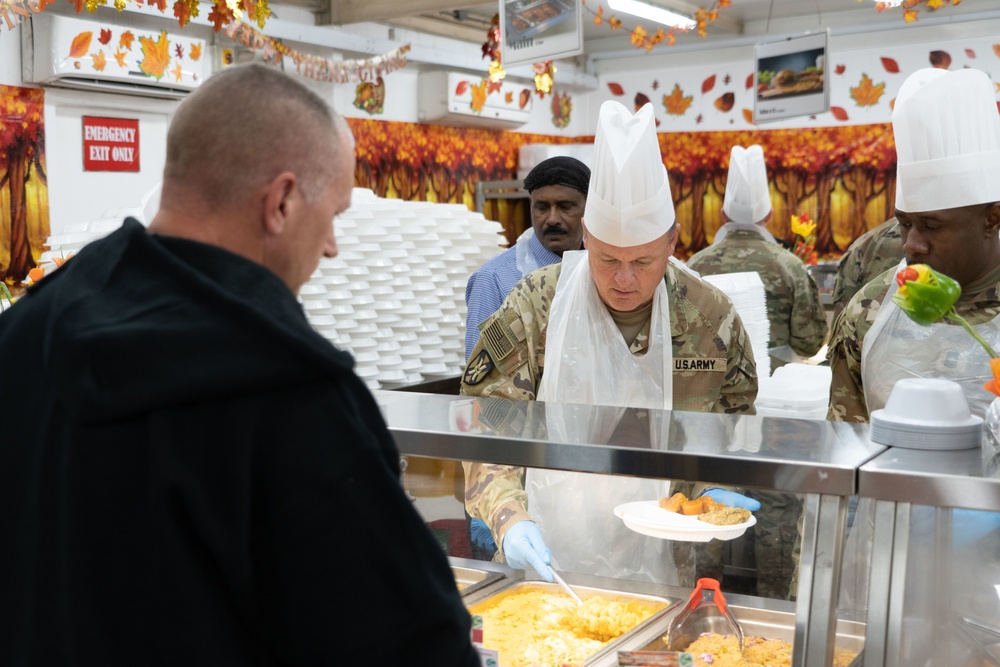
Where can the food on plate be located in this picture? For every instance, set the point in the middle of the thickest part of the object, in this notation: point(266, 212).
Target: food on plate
point(673, 503)
point(679, 503)
point(715, 650)
point(548, 628)
point(785, 77)
point(725, 516)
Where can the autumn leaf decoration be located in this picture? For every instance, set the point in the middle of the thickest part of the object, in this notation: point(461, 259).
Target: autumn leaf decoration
point(100, 61)
point(156, 55)
point(675, 103)
point(911, 8)
point(223, 12)
point(867, 93)
point(478, 96)
point(642, 39)
point(125, 41)
point(80, 44)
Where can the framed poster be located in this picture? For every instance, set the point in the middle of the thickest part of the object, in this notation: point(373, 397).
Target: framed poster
point(790, 78)
point(532, 31)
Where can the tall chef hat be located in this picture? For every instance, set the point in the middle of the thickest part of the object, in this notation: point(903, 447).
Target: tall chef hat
point(747, 199)
point(629, 200)
point(947, 133)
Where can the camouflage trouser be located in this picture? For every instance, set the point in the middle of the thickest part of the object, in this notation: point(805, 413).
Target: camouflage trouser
point(776, 544)
point(695, 560)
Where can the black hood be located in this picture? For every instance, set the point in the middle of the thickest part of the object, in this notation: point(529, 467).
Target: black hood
point(201, 324)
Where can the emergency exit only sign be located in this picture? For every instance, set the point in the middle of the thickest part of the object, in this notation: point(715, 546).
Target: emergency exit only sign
point(110, 144)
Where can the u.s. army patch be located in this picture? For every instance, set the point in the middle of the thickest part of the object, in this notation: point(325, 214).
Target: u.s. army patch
point(478, 368)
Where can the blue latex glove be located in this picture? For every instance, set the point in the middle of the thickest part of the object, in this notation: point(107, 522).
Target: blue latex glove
point(523, 545)
point(481, 535)
point(732, 499)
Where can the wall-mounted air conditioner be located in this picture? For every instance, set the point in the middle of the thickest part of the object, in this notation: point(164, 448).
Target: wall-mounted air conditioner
point(94, 55)
point(450, 98)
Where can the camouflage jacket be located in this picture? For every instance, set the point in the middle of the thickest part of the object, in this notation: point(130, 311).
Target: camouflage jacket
point(847, 394)
point(794, 311)
point(875, 251)
point(509, 358)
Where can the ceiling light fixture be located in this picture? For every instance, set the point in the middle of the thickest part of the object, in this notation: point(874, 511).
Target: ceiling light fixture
point(653, 13)
point(889, 3)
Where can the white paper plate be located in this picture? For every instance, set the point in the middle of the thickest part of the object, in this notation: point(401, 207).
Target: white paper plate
point(648, 518)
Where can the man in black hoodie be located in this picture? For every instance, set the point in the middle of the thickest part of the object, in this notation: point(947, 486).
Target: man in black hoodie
point(191, 475)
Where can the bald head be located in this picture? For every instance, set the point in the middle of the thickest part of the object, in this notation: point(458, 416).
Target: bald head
point(243, 126)
point(259, 165)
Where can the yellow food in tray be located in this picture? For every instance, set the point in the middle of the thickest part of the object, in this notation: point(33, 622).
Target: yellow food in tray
point(715, 650)
point(538, 628)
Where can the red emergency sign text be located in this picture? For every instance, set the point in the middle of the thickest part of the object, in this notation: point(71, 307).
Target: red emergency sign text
point(110, 144)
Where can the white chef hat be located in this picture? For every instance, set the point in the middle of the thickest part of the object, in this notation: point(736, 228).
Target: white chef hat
point(628, 202)
point(747, 199)
point(947, 133)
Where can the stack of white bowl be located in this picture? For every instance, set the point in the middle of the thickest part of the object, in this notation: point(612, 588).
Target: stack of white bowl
point(394, 296)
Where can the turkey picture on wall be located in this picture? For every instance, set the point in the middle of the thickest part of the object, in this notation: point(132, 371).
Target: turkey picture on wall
point(24, 218)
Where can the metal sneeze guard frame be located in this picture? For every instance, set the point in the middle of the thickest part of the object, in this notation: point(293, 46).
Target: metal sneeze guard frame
point(819, 459)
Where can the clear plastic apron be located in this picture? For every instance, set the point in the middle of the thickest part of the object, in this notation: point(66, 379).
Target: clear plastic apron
point(524, 259)
point(896, 347)
point(587, 361)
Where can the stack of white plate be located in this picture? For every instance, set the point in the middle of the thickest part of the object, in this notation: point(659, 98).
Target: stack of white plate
point(926, 413)
point(747, 293)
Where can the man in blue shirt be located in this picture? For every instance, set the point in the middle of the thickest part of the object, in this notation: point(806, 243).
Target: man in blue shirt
point(558, 190)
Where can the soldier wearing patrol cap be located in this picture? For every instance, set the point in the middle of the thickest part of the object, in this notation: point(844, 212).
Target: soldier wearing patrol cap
point(616, 324)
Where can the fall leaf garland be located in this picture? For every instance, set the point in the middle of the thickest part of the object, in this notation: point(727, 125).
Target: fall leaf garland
point(911, 8)
point(641, 39)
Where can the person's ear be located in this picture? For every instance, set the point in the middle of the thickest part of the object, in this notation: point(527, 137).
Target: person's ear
point(992, 219)
point(585, 237)
point(279, 203)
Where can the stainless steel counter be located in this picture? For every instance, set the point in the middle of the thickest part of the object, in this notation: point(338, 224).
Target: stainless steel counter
point(818, 459)
point(968, 478)
point(798, 456)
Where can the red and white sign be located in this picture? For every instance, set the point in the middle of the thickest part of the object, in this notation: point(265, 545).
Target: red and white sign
point(110, 144)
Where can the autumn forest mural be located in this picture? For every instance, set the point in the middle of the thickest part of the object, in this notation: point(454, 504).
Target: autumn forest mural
point(842, 177)
point(24, 199)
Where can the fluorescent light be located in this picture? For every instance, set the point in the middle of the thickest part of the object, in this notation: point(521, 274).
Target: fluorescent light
point(657, 14)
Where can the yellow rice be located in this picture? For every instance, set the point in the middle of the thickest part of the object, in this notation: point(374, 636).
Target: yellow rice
point(537, 628)
point(715, 650)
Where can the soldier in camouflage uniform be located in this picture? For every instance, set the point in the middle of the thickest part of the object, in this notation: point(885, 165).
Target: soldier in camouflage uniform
point(796, 320)
point(870, 254)
point(711, 367)
point(794, 311)
point(952, 227)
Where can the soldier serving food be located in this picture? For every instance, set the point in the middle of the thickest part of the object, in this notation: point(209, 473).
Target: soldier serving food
point(616, 324)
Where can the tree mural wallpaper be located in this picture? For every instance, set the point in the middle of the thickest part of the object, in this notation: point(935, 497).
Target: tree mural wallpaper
point(24, 204)
point(843, 177)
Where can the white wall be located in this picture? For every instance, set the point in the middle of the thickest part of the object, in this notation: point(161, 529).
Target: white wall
point(10, 56)
point(969, 44)
point(77, 196)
